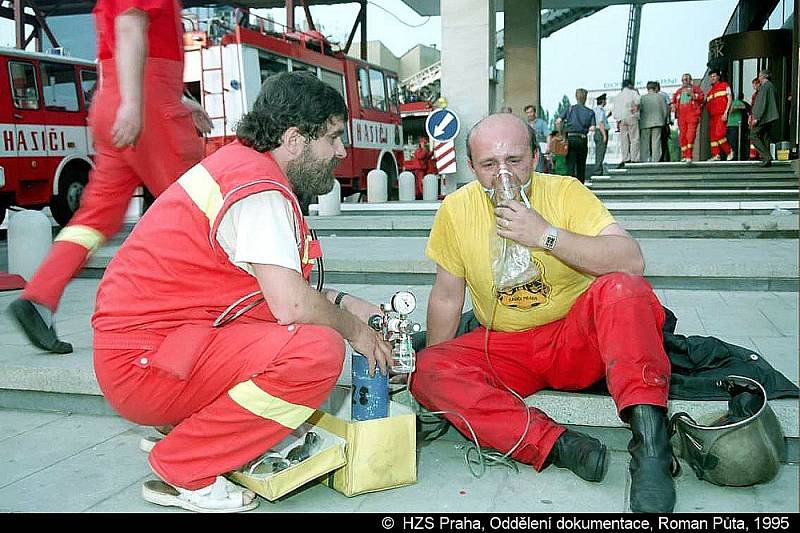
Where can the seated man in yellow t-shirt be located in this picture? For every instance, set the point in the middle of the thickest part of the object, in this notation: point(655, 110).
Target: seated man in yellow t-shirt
point(588, 314)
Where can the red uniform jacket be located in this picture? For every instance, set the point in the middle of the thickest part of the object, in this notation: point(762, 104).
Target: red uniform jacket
point(691, 109)
point(171, 271)
point(717, 99)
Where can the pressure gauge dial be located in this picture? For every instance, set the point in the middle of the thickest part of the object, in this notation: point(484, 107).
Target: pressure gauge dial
point(404, 302)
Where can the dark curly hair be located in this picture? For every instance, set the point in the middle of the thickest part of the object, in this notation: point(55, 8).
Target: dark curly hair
point(289, 99)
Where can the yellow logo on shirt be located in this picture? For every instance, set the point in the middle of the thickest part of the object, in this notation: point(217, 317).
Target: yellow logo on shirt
point(535, 293)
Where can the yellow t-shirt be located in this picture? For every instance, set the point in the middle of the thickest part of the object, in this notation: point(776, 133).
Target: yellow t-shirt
point(460, 242)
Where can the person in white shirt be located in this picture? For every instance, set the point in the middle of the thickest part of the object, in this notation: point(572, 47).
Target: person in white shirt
point(626, 108)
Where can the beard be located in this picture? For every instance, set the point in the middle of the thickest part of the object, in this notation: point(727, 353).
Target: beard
point(310, 176)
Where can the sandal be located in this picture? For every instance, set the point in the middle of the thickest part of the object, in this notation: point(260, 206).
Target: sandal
point(222, 496)
point(146, 444)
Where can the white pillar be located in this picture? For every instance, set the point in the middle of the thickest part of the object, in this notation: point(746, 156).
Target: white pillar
point(377, 186)
point(430, 187)
point(407, 185)
point(30, 236)
point(330, 204)
point(468, 57)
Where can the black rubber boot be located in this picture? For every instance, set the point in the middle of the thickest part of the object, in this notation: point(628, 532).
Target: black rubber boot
point(586, 456)
point(652, 487)
point(25, 315)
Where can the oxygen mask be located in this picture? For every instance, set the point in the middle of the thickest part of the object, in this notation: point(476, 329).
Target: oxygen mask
point(512, 264)
point(505, 186)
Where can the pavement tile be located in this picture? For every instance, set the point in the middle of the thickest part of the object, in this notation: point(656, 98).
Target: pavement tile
point(680, 298)
point(27, 453)
point(689, 322)
point(781, 352)
point(18, 422)
point(95, 474)
point(694, 495)
point(782, 493)
point(785, 321)
point(444, 485)
point(554, 490)
point(788, 299)
point(726, 322)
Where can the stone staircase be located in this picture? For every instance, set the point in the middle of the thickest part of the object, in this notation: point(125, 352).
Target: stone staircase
point(699, 245)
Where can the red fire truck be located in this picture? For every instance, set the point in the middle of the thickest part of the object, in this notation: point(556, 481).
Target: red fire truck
point(227, 59)
point(45, 145)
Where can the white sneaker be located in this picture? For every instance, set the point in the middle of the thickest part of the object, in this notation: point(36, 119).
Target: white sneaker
point(715, 158)
point(730, 157)
point(222, 496)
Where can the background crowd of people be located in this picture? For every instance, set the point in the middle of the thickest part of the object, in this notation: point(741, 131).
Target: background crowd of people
point(737, 129)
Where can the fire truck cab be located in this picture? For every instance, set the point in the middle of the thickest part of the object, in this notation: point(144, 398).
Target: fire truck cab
point(227, 60)
point(45, 144)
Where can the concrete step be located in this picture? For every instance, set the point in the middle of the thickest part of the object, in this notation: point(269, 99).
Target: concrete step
point(641, 226)
point(707, 167)
point(724, 264)
point(695, 177)
point(683, 206)
point(708, 195)
point(30, 379)
point(727, 184)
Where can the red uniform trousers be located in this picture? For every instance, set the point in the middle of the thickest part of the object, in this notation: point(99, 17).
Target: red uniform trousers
point(167, 147)
point(612, 330)
point(232, 393)
point(718, 133)
point(687, 128)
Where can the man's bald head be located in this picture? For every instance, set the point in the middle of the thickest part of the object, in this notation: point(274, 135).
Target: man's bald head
point(501, 126)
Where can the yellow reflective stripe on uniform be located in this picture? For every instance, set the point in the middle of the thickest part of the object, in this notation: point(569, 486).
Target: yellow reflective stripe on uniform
point(89, 238)
point(718, 94)
point(203, 190)
point(265, 405)
point(305, 250)
point(714, 143)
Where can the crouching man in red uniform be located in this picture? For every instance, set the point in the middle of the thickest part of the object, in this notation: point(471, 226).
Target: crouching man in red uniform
point(586, 314)
point(205, 319)
point(143, 133)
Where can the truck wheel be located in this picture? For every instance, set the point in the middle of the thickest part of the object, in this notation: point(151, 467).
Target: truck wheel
point(66, 202)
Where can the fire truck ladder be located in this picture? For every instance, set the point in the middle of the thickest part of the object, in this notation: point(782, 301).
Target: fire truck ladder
point(213, 89)
point(632, 43)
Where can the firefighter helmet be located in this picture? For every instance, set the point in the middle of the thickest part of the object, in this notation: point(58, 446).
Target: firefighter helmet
point(744, 447)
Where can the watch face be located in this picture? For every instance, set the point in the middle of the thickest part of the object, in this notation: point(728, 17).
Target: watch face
point(404, 302)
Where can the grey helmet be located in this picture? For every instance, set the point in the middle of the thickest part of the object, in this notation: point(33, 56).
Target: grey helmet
point(742, 448)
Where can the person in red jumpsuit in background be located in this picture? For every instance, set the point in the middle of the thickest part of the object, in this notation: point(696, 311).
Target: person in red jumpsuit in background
point(205, 319)
point(421, 164)
point(143, 132)
point(718, 102)
point(687, 102)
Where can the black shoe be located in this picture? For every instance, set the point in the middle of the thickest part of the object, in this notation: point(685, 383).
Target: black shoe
point(30, 321)
point(586, 456)
point(652, 487)
point(766, 163)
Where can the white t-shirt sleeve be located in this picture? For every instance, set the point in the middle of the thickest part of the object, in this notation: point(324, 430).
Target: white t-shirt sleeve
point(260, 228)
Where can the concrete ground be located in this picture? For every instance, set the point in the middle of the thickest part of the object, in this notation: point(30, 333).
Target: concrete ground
point(52, 461)
point(55, 462)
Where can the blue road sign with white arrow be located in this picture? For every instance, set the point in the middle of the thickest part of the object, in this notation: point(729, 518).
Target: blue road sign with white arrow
point(443, 125)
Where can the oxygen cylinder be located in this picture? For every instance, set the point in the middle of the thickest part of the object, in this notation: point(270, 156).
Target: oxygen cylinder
point(370, 394)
